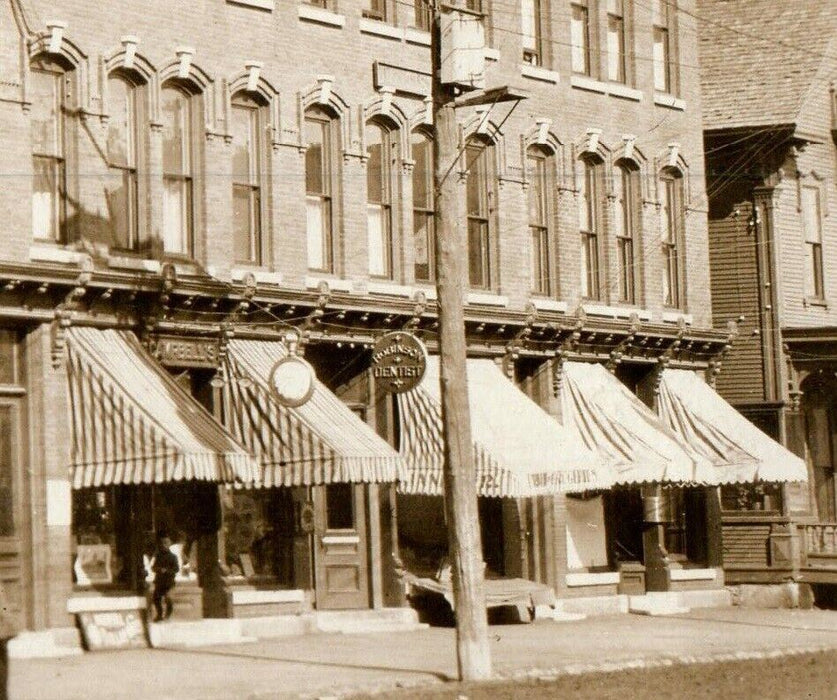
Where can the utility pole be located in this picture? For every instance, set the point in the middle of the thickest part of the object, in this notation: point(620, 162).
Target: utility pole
point(451, 251)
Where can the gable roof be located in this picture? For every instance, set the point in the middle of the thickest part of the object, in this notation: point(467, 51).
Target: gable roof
point(758, 58)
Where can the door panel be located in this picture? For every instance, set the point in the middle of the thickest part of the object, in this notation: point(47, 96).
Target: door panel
point(11, 554)
point(340, 547)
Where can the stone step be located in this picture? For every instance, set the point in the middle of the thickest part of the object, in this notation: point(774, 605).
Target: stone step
point(196, 633)
point(656, 603)
point(51, 643)
point(358, 621)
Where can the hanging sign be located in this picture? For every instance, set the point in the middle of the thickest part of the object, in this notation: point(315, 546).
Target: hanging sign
point(292, 381)
point(399, 361)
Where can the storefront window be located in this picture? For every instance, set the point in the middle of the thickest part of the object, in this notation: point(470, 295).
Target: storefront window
point(752, 497)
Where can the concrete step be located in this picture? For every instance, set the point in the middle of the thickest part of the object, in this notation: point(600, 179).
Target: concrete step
point(196, 633)
point(710, 598)
point(51, 643)
point(359, 621)
point(656, 603)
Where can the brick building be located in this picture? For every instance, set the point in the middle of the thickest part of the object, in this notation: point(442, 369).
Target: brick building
point(770, 114)
point(212, 177)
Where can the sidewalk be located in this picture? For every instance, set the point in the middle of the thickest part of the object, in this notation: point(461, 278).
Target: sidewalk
point(331, 664)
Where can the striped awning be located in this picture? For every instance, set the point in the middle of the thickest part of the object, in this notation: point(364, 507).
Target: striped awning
point(320, 442)
point(736, 449)
point(628, 434)
point(519, 450)
point(133, 424)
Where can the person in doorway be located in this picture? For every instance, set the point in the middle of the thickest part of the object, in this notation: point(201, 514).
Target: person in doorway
point(165, 568)
point(8, 629)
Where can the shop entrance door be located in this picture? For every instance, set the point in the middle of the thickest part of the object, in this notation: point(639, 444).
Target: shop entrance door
point(340, 551)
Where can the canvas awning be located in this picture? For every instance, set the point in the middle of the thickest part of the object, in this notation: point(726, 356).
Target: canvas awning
point(737, 449)
point(519, 450)
point(614, 422)
point(133, 424)
point(320, 442)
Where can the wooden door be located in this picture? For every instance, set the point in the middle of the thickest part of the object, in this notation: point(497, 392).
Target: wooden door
point(340, 551)
point(12, 569)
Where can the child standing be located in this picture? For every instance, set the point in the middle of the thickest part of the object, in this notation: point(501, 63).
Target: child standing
point(165, 569)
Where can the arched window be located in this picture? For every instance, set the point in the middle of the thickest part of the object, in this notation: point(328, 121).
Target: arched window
point(51, 87)
point(379, 227)
point(423, 207)
point(479, 189)
point(589, 222)
point(179, 111)
point(673, 215)
point(321, 138)
point(628, 197)
point(539, 177)
point(126, 147)
point(247, 131)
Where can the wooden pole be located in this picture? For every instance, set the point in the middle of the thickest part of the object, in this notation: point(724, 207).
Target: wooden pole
point(465, 548)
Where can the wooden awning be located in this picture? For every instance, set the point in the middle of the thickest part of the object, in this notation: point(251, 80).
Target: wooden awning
point(519, 449)
point(320, 442)
point(133, 424)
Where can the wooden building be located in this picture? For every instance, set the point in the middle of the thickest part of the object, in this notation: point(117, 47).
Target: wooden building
point(770, 129)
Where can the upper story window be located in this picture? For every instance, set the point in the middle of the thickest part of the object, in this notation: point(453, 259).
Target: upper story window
point(673, 216)
point(580, 38)
point(179, 110)
point(616, 42)
point(379, 149)
point(321, 146)
point(423, 15)
point(589, 222)
point(380, 10)
point(531, 29)
point(539, 175)
point(628, 196)
point(50, 87)
point(479, 189)
point(247, 129)
point(126, 139)
point(812, 227)
point(662, 13)
point(423, 207)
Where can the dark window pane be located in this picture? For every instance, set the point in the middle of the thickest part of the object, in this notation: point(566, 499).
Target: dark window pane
point(340, 511)
point(478, 253)
point(120, 197)
point(7, 468)
point(176, 138)
point(120, 145)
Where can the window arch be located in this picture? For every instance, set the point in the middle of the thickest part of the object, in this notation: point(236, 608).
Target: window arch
point(589, 225)
point(480, 183)
point(380, 149)
point(322, 138)
point(180, 112)
point(52, 94)
point(672, 238)
point(424, 238)
point(627, 193)
point(540, 178)
point(126, 155)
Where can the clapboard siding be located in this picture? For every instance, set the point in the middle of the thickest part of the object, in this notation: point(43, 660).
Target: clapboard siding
point(746, 544)
point(734, 285)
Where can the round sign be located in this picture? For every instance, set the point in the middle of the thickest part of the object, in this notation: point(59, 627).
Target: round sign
point(292, 381)
point(399, 361)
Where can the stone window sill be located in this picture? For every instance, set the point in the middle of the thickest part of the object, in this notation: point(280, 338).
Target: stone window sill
point(262, 276)
point(670, 101)
point(616, 311)
point(675, 316)
point(311, 13)
point(539, 73)
point(378, 28)
point(620, 90)
point(583, 82)
point(256, 4)
point(816, 302)
point(334, 284)
point(544, 304)
point(417, 36)
point(54, 254)
point(487, 299)
point(390, 289)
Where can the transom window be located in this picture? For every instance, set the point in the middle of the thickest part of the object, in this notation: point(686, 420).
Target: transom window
point(538, 165)
point(247, 134)
point(479, 188)
point(588, 225)
point(626, 190)
point(49, 86)
point(379, 149)
point(423, 207)
point(812, 227)
point(177, 108)
point(673, 225)
point(319, 185)
point(125, 151)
